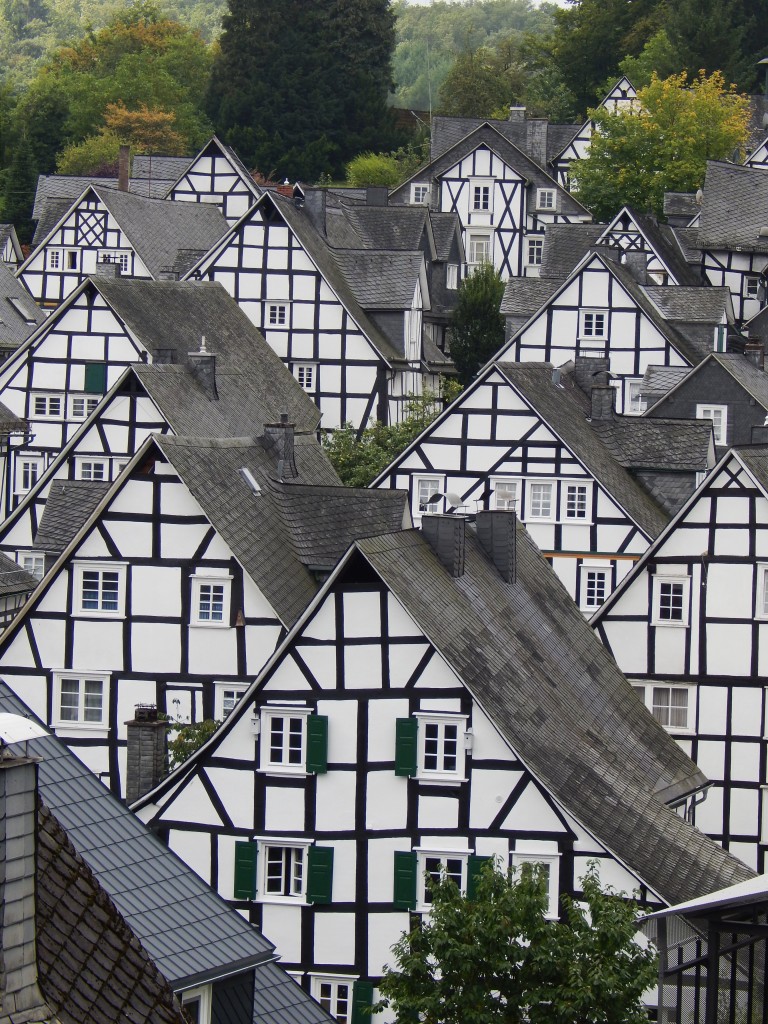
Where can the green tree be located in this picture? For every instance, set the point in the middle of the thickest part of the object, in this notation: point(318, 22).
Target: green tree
point(477, 326)
point(298, 88)
point(19, 192)
point(658, 57)
point(373, 169)
point(482, 83)
point(716, 35)
point(188, 737)
point(494, 957)
point(634, 158)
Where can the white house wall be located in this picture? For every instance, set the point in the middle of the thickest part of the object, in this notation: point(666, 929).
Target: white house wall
point(733, 270)
point(213, 178)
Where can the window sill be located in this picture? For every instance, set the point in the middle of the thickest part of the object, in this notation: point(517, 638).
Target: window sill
point(441, 780)
point(668, 622)
point(99, 731)
point(278, 772)
point(209, 625)
point(282, 901)
point(81, 614)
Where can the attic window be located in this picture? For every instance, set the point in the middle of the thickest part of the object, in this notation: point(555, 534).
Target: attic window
point(17, 305)
point(545, 199)
point(419, 193)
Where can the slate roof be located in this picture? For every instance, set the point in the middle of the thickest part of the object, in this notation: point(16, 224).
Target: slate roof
point(524, 296)
point(9, 231)
point(680, 204)
point(381, 280)
point(538, 670)
point(448, 131)
point(157, 229)
point(388, 227)
point(10, 423)
point(691, 305)
point(755, 458)
point(735, 208)
point(688, 240)
point(190, 933)
point(664, 241)
point(68, 187)
point(14, 579)
point(657, 443)
point(275, 537)
point(69, 505)
point(565, 245)
point(19, 316)
point(164, 168)
point(563, 410)
point(90, 964)
point(444, 229)
point(743, 371)
point(658, 380)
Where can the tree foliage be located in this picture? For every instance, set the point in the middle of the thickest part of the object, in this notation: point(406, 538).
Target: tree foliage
point(188, 737)
point(359, 459)
point(477, 326)
point(495, 957)
point(634, 158)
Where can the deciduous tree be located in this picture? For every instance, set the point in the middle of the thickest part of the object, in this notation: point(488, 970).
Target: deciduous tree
point(477, 326)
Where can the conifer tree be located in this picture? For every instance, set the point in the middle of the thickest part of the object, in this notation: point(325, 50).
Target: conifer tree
point(298, 88)
point(19, 192)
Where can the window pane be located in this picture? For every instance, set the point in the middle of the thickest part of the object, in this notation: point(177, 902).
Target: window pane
point(671, 602)
point(93, 711)
point(450, 747)
point(70, 700)
point(109, 591)
point(295, 731)
point(541, 500)
point(274, 872)
point(431, 744)
point(90, 590)
point(576, 501)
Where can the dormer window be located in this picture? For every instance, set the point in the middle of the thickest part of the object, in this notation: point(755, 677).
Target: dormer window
point(419, 193)
point(545, 199)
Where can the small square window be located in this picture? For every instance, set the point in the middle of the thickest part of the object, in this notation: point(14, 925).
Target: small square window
point(305, 375)
point(441, 747)
point(576, 501)
point(80, 699)
point(419, 193)
point(450, 864)
point(452, 276)
point(636, 403)
point(535, 252)
point(227, 696)
point(545, 199)
point(72, 259)
point(719, 416)
point(335, 997)
point(481, 198)
point(210, 600)
point(504, 494)
point(751, 287)
point(277, 315)
point(82, 406)
point(47, 406)
point(54, 259)
point(283, 740)
point(28, 472)
point(595, 586)
point(424, 488)
point(479, 249)
point(34, 564)
point(283, 873)
point(99, 590)
point(593, 325)
point(91, 469)
point(671, 706)
point(540, 501)
point(671, 598)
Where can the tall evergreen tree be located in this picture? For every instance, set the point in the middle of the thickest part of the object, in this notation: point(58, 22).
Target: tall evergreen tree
point(19, 192)
point(299, 88)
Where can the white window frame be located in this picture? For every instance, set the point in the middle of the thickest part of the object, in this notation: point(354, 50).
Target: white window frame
point(475, 239)
point(72, 259)
point(589, 331)
point(546, 199)
point(306, 375)
point(550, 517)
point(220, 701)
point(481, 192)
point(36, 563)
point(210, 579)
point(585, 570)
point(54, 259)
point(443, 855)
point(657, 582)
point(330, 1005)
point(586, 485)
point(552, 861)
point(635, 404)
point(85, 465)
point(534, 252)
point(115, 256)
point(439, 721)
point(79, 569)
point(751, 286)
point(645, 691)
point(452, 276)
point(506, 492)
point(420, 193)
point(202, 995)
point(30, 466)
point(87, 400)
point(80, 723)
point(437, 484)
point(37, 396)
point(278, 310)
point(267, 714)
point(719, 429)
point(265, 843)
point(761, 591)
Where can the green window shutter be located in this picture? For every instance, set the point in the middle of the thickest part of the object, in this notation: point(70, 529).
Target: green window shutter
point(317, 743)
point(245, 871)
point(95, 378)
point(319, 874)
point(362, 1001)
point(474, 868)
point(406, 866)
point(406, 746)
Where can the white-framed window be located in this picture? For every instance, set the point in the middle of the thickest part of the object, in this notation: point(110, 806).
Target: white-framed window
point(540, 500)
point(593, 324)
point(478, 248)
point(751, 287)
point(546, 199)
point(81, 406)
point(441, 746)
point(504, 493)
point(433, 863)
point(305, 375)
point(197, 1004)
point(575, 500)
point(28, 471)
point(761, 595)
point(334, 993)
point(277, 314)
point(719, 416)
point(283, 740)
point(121, 259)
point(226, 696)
point(47, 407)
point(80, 699)
point(452, 276)
point(549, 865)
point(535, 252)
point(672, 706)
point(72, 259)
point(595, 586)
point(636, 403)
point(425, 487)
point(481, 196)
point(91, 469)
point(210, 600)
point(54, 259)
point(99, 589)
point(33, 563)
point(671, 600)
point(282, 871)
point(419, 193)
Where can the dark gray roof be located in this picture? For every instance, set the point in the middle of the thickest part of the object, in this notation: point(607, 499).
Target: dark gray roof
point(448, 131)
point(157, 229)
point(190, 933)
point(656, 443)
point(663, 241)
point(68, 507)
point(735, 208)
point(8, 231)
point(14, 579)
point(524, 296)
point(10, 423)
point(562, 409)
point(388, 227)
point(755, 458)
point(90, 964)
point(688, 240)
point(565, 245)
point(743, 371)
point(691, 305)
point(657, 380)
point(19, 315)
point(444, 229)
point(680, 204)
point(381, 280)
point(275, 537)
point(52, 212)
point(757, 327)
point(68, 187)
point(163, 168)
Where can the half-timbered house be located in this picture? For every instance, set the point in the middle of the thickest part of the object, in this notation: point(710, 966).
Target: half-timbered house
point(431, 709)
point(19, 316)
point(687, 626)
point(180, 583)
point(10, 247)
point(144, 238)
point(217, 175)
point(759, 155)
point(606, 308)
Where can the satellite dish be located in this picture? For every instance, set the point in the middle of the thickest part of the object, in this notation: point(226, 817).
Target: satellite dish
point(15, 729)
point(454, 499)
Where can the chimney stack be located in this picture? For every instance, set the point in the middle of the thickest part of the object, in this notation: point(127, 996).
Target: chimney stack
point(123, 168)
point(754, 350)
point(377, 195)
point(278, 438)
point(637, 264)
point(147, 752)
point(517, 113)
point(497, 533)
point(446, 536)
point(536, 139)
point(585, 368)
point(603, 400)
point(203, 365)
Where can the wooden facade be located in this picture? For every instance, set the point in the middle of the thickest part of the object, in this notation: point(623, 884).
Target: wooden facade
point(217, 176)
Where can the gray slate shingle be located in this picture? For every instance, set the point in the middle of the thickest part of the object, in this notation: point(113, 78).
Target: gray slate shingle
point(67, 508)
point(735, 208)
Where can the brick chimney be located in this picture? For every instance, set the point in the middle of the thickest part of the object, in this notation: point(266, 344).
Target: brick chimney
point(497, 533)
point(147, 763)
point(446, 535)
point(278, 439)
point(203, 366)
point(124, 168)
point(754, 350)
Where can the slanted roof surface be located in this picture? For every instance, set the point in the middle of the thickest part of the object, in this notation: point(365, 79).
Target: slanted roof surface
point(657, 443)
point(14, 579)
point(388, 227)
point(524, 296)
point(164, 168)
point(735, 207)
point(444, 229)
point(68, 507)
point(565, 245)
point(19, 316)
point(691, 305)
point(680, 204)
point(663, 239)
point(68, 187)
point(659, 379)
point(551, 688)
point(448, 131)
point(381, 280)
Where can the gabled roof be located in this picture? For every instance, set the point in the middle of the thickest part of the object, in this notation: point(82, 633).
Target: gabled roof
point(692, 305)
point(382, 280)
point(68, 506)
point(14, 579)
point(681, 204)
point(741, 369)
point(190, 933)
point(445, 228)
point(561, 409)
point(68, 187)
point(448, 131)
point(655, 443)
point(735, 208)
point(688, 240)
point(19, 316)
point(8, 232)
point(565, 245)
point(395, 228)
point(214, 143)
point(662, 240)
point(163, 168)
point(658, 380)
